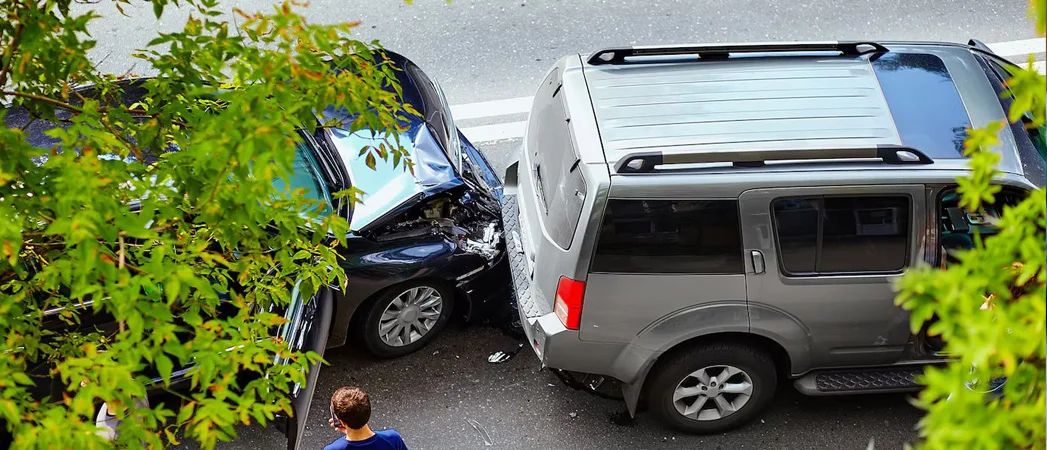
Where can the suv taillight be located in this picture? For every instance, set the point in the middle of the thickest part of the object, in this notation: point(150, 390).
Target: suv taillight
point(568, 305)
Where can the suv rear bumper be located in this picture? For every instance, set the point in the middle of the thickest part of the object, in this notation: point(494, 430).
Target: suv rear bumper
point(552, 342)
point(539, 324)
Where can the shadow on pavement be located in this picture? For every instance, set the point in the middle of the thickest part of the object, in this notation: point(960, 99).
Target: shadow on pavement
point(448, 396)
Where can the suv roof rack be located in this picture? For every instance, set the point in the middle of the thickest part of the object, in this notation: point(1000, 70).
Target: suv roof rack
point(978, 44)
point(721, 51)
point(644, 162)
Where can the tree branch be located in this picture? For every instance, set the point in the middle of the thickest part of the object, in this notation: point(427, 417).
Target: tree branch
point(141, 113)
point(105, 122)
point(9, 275)
point(9, 53)
point(120, 264)
point(70, 107)
point(41, 98)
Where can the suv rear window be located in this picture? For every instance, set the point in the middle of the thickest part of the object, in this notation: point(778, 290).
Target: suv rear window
point(825, 235)
point(670, 236)
point(922, 97)
point(558, 181)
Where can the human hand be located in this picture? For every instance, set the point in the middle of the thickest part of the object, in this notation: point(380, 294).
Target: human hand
point(336, 426)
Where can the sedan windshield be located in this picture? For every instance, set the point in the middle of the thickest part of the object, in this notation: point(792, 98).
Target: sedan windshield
point(306, 176)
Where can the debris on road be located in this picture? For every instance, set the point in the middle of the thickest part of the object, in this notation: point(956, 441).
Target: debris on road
point(573, 414)
point(595, 383)
point(483, 432)
point(501, 357)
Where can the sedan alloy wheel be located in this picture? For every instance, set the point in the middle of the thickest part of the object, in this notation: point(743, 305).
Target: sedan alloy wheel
point(410, 316)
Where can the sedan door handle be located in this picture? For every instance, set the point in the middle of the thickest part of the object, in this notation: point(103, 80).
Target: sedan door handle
point(757, 257)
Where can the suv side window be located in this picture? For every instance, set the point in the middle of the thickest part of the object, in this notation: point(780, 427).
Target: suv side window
point(837, 234)
point(670, 236)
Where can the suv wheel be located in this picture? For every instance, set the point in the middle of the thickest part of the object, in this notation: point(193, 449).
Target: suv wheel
point(406, 317)
point(712, 388)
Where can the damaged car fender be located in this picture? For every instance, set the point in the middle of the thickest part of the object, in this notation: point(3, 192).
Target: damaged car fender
point(428, 228)
point(378, 266)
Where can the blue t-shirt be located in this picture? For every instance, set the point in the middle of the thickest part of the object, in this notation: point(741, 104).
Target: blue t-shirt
point(382, 440)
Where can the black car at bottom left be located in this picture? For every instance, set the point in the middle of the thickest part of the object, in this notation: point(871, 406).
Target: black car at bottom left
point(425, 243)
point(307, 326)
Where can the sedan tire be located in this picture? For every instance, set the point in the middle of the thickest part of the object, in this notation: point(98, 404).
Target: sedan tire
point(406, 317)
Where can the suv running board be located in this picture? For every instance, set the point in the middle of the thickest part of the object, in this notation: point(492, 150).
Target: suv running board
point(860, 381)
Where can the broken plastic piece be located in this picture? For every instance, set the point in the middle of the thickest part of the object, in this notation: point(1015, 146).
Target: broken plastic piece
point(501, 357)
point(498, 357)
point(483, 433)
point(488, 245)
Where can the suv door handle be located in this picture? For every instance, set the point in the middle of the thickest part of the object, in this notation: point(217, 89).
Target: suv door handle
point(757, 257)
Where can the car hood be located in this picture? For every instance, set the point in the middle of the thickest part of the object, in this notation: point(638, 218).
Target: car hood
point(389, 189)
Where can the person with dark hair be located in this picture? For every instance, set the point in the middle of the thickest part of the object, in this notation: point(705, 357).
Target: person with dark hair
point(350, 412)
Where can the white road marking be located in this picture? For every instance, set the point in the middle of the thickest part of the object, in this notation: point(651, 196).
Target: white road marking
point(496, 132)
point(1019, 48)
point(492, 108)
point(1014, 50)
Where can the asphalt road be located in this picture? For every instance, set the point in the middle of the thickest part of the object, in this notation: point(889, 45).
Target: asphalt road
point(499, 49)
point(490, 50)
point(430, 397)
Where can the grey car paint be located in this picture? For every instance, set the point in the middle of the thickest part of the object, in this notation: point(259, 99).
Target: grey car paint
point(533, 235)
point(623, 307)
point(629, 321)
point(847, 319)
point(821, 102)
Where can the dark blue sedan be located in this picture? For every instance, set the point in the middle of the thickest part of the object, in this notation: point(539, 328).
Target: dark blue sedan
point(425, 244)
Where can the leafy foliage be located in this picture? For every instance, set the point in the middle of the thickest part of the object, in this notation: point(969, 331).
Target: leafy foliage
point(192, 253)
point(1005, 337)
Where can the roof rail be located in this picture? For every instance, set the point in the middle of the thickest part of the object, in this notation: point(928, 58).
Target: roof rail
point(643, 162)
point(721, 51)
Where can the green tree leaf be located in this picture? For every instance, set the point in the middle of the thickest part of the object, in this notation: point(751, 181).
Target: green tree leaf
point(185, 251)
point(1006, 271)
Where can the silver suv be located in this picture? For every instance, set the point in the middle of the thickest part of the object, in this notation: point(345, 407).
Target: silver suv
point(701, 222)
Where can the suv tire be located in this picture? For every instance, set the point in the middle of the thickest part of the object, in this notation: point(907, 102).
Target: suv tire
point(718, 386)
point(422, 306)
